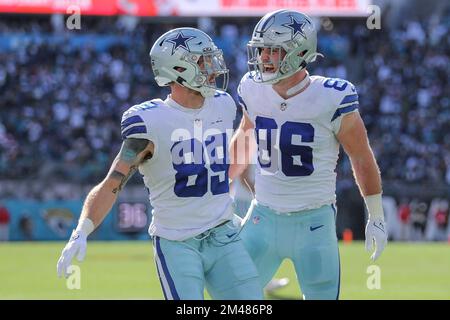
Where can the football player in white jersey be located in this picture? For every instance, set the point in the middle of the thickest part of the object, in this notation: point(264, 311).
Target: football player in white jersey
point(180, 146)
point(299, 122)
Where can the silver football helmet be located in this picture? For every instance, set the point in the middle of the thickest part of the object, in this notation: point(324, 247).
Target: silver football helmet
point(280, 30)
point(189, 57)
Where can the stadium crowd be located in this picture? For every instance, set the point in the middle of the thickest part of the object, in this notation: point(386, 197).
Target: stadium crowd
point(63, 91)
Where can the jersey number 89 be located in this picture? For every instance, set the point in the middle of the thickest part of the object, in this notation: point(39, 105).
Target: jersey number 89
point(191, 179)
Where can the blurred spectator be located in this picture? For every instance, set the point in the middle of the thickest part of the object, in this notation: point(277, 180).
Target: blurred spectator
point(418, 220)
point(441, 217)
point(437, 228)
point(63, 92)
point(5, 218)
point(26, 227)
point(404, 214)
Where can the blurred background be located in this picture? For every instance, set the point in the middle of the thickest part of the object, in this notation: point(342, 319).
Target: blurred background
point(65, 82)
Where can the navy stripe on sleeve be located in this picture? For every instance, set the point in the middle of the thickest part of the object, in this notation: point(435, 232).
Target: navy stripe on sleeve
point(134, 130)
point(131, 120)
point(349, 99)
point(343, 110)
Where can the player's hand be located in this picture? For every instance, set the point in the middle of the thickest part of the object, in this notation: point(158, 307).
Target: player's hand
point(76, 246)
point(376, 235)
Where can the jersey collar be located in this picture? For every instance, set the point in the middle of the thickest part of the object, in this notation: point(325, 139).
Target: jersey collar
point(173, 104)
point(299, 86)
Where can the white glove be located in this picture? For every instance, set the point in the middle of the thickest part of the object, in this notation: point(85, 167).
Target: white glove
point(376, 234)
point(76, 246)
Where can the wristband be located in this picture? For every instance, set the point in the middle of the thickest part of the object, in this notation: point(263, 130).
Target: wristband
point(85, 226)
point(374, 206)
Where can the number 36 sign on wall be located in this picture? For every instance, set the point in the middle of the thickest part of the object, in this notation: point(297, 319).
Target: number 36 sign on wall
point(132, 217)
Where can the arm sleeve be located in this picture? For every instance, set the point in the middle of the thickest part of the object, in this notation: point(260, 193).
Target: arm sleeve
point(135, 125)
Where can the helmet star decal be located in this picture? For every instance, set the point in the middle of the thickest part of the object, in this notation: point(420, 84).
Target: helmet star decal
point(296, 27)
point(180, 41)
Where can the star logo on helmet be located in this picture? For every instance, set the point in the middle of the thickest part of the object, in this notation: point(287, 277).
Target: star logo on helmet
point(180, 40)
point(296, 27)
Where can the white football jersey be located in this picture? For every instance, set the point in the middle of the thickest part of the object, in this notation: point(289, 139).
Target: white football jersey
point(297, 146)
point(187, 176)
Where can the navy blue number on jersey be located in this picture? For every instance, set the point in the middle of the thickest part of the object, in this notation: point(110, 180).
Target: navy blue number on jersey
point(219, 164)
point(267, 126)
point(296, 160)
point(289, 151)
point(191, 179)
point(335, 83)
point(197, 186)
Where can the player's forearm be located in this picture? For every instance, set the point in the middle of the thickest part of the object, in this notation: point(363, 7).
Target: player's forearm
point(102, 197)
point(236, 170)
point(99, 201)
point(367, 173)
point(242, 147)
point(238, 150)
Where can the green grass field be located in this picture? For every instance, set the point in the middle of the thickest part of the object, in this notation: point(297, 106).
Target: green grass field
point(125, 270)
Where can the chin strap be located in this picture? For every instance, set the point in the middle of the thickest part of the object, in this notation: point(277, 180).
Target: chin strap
point(315, 55)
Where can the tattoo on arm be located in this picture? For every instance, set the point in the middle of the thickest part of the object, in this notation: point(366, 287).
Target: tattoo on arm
point(122, 178)
point(131, 148)
point(129, 152)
